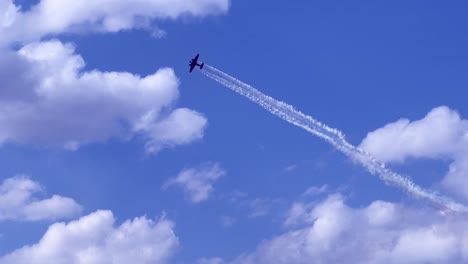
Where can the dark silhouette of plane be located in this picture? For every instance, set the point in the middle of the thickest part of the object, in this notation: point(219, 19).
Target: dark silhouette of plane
point(194, 62)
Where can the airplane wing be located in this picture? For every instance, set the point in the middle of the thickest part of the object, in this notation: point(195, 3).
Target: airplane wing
point(192, 66)
point(194, 62)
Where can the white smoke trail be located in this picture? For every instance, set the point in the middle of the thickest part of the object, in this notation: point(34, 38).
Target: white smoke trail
point(333, 136)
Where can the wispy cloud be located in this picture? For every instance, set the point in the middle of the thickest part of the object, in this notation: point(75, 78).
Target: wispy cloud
point(290, 168)
point(260, 207)
point(227, 221)
point(197, 183)
point(253, 207)
point(210, 261)
point(314, 190)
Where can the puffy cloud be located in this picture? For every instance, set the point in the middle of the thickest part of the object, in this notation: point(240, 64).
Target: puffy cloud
point(197, 183)
point(62, 16)
point(17, 77)
point(17, 202)
point(437, 135)
point(332, 232)
point(47, 98)
point(95, 239)
point(182, 126)
point(69, 108)
point(441, 134)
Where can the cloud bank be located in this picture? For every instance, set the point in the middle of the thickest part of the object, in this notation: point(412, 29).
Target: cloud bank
point(382, 232)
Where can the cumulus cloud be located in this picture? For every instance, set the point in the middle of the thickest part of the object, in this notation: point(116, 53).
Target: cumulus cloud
point(95, 239)
point(437, 135)
point(48, 99)
point(70, 108)
point(17, 202)
point(182, 126)
point(441, 134)
point(332, 232)
point(197, 183)
point(64, 16)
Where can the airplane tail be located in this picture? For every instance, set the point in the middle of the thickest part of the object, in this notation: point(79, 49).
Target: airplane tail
point(201, 66)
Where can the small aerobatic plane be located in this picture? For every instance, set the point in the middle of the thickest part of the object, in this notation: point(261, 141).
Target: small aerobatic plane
point(194, 62)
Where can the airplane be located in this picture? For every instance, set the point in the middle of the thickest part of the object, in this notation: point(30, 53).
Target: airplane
point(194, 62)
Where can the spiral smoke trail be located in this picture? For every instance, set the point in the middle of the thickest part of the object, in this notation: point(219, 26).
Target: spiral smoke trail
point(332, 136)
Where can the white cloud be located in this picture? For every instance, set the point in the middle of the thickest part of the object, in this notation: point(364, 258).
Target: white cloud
point(62, 16)
point(382, 232)
point(8, 12)
point(17, 202)
point(197, 183)
point(95, 239)
point(182, 126)
point(441, 134)
point(69, 108)
point(297, 214)
point(48, 99)
point(437, 135)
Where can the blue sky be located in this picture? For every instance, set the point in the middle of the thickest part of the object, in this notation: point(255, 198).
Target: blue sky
point(103, 130)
